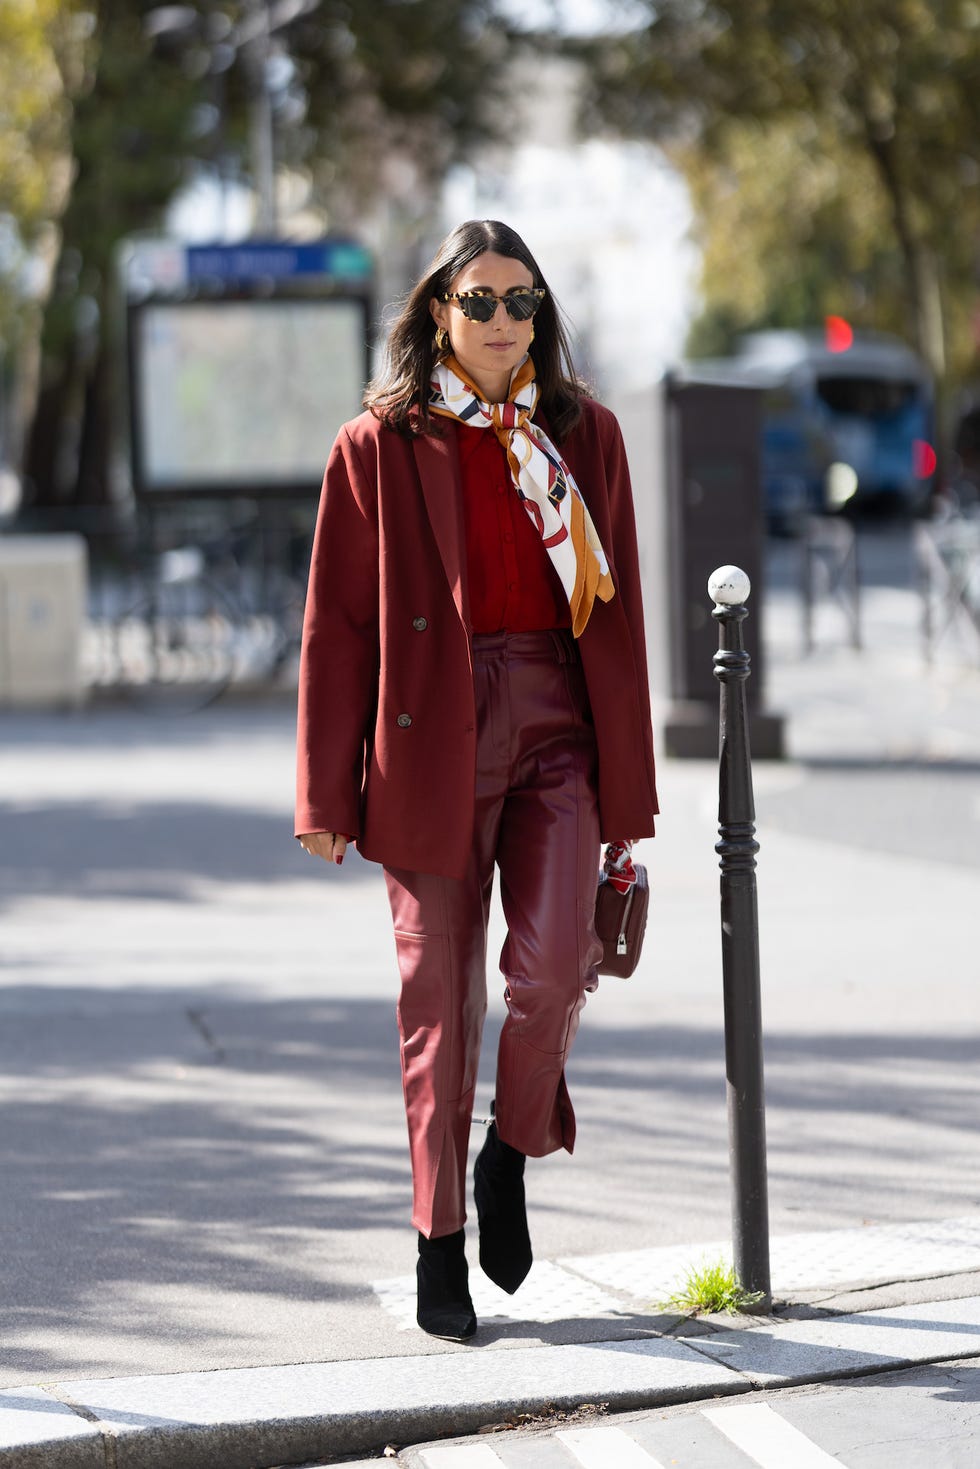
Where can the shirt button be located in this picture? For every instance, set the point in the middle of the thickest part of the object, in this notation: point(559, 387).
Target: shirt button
point(420, 624)
point(512, 586)
point(404, 720)
point(501, 489)
point(508, 537)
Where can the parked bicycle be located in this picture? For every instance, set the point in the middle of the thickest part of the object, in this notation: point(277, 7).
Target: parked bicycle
point(201, 615)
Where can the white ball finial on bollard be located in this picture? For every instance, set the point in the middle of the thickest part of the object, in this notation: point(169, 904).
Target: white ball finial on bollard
point(729, 587)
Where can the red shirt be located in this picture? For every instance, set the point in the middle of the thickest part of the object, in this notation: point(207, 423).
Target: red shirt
point(513, 585)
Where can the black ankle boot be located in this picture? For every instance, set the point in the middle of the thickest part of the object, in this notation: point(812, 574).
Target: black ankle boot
point(498, 1190)
point(445, 1308)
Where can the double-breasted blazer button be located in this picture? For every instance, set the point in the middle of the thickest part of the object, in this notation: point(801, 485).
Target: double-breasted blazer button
point(404, 720)
point(420, 623)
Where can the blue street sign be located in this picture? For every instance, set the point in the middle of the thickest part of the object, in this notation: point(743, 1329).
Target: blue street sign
point(340, 260)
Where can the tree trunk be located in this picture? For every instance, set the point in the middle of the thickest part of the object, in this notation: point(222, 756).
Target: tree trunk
point(924, 289)
point(92, 481)
point(66, 453)
point(921, 273)
point(45, 480)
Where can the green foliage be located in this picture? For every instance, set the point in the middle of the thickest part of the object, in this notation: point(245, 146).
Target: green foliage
point(33, 120)
point(885, 95)
point(363, 88)
point(132, 133)
point(395, 81)
point(709, 1288)
point(31, 114)
point(792, 227)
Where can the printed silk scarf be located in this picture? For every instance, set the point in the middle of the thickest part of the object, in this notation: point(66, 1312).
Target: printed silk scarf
point(618, 866)
point(541, 478)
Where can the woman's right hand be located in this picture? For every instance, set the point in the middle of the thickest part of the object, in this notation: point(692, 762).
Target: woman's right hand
point(330, 845)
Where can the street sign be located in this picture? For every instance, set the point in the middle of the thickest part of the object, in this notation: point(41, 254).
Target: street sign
point(244, 361)
point(170, 267)
point(337, 260)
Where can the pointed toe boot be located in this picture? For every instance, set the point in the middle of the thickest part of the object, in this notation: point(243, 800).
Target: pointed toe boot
point(498, 1190)
point(444, 1305)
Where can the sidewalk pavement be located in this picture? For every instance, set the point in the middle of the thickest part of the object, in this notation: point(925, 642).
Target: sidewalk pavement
point(848, 1303)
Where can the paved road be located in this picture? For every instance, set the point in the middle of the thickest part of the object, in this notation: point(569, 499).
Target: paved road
point(203, 1148)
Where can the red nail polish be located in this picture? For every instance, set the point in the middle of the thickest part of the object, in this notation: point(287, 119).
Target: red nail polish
point(340, 860)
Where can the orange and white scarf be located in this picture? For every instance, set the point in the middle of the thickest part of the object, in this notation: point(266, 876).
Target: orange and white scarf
point(540, 476)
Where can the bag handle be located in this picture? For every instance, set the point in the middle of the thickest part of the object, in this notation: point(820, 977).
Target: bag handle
point(618, 865)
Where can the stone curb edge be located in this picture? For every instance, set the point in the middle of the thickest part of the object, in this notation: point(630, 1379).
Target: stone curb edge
point(239, 1418)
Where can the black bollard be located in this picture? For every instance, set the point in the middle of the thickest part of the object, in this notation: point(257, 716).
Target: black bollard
point(729, 588)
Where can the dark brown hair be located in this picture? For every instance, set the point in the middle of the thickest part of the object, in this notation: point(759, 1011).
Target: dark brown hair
point(399, 395)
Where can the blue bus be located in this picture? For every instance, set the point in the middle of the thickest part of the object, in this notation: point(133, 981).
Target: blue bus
point(847, 419)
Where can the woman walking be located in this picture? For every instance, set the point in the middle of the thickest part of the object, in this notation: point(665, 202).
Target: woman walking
point(473, 693)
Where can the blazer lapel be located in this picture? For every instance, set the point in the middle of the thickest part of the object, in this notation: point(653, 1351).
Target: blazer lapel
point(438, 467)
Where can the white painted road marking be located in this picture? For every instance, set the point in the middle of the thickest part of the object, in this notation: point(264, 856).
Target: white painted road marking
point(461, 1456)
point(607, 1448)
point(768, 1439)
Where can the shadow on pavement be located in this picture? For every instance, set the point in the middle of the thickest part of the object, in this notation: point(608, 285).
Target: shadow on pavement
point(160, 1162)
point(147, 849)
point(115, 727)
point(172, 1159)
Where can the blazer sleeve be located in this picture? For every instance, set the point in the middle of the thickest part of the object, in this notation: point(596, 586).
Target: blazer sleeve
point(625, 557)
point(339, 661)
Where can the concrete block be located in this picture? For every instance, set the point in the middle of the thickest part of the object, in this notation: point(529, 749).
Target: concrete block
point(39, 1432)
point(43, 591)
point(844, 1346)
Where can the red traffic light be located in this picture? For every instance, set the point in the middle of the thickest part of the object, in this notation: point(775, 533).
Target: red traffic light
point(839, 333)
point(923, 459)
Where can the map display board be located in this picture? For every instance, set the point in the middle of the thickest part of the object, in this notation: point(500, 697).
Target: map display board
point(243, 395)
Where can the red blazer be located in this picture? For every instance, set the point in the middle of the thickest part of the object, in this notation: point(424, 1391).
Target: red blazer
point(387, 724)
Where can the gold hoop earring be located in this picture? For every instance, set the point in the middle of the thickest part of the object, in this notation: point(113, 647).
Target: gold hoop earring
point(442, 339)
point(531, 337)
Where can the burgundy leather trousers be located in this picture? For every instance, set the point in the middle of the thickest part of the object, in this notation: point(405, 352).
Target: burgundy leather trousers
point(537, 819)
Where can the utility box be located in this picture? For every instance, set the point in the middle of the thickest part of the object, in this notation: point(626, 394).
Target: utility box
point(43, 589)
point(715, 517)
point(695, 449)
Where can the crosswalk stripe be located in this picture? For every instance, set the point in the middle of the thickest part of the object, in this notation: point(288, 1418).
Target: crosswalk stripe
point(768, 1439)
point(607, 1448)
point(461, 1456)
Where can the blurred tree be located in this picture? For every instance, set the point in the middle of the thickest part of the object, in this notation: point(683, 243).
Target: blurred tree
point(33, 180)
point(828, 250)
point(422, 79)
point(32, 120)
point(131, 128)
point(156, 92)
point(854, 130)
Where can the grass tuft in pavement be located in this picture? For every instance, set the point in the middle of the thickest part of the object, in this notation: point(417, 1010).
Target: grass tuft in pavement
point(708, 1288)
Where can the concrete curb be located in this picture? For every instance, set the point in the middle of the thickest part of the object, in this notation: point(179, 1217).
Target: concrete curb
point(255, 1418)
